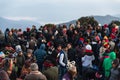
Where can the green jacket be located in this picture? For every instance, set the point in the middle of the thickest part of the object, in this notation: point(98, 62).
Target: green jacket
point(51, 73)
point(107, 63)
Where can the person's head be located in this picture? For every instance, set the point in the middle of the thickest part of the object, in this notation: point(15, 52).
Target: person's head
point(33, 27)
point(106, 45)
point(29, 52)
point(75, 31)
point(10, 33)
point(64, 47)
point(59, 47)
point(78, 22)
point(34, 67)
point(2, 56)
point(115, 63)
point(47, 64)
point(69, 45)
point(20, 53)
point(88, 49)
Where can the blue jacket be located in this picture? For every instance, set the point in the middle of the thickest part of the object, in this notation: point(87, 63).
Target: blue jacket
point(40, 53)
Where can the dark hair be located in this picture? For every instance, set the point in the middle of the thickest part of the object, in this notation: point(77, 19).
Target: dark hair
point(64, 45)
point(116, 61)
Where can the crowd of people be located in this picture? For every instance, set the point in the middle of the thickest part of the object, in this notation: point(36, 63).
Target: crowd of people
point(73, 52)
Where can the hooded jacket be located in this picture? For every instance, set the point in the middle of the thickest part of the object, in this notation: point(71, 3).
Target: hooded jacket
point(107, 63)
point(40, 53)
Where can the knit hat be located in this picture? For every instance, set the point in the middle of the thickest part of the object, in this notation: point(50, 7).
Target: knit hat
point(29, 51)
point(105, 26)
point(106, 45)
point(105, 37)
point(48, 63)
point(88, 48)
point(18, 48)
point(27, 29)
point(50, 43)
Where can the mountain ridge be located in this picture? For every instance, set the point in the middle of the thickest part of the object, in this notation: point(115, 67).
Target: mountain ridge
point(101, 20)
point(23, 24)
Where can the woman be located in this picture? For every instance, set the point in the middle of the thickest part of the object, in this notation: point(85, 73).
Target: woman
point(72, 71)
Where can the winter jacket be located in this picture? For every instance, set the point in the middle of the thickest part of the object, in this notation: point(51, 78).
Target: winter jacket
point(51, 73)
point(107, 65)
point(40, 53)
point(87, 60)
point(115, 74)
point(35, 75)
point(67, 76)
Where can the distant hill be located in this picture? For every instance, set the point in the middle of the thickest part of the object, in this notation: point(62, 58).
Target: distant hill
point(22, 24)
point(68, 23)
point(106, 19)
point(101, 19)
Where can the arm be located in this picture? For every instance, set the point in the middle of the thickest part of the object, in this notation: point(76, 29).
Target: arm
point(61, 60)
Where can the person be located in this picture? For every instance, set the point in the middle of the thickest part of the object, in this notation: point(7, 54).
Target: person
point(115, 71)
point(32, 44)
point(63, 61)
point(35, 74)
point(3, 74)
point(87, 65)
point(40, 55)
point(71, 52)
point(55, 54)
point(107, 62)
point(50, 71)
point(20, 59)
point(25, 69)
point(72, 71)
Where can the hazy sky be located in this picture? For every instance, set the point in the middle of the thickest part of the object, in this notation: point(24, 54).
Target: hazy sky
point(54, 11)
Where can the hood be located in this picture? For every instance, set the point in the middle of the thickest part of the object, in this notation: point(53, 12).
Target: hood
point(112, 55)
point(42, 46)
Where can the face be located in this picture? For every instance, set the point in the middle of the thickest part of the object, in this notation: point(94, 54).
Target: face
point(59, 48)
point(75, 32)
point(66, 49)
point(113, 65)
point(10, 33)
point(69, 46)
point(29, 55)
point(20, 53)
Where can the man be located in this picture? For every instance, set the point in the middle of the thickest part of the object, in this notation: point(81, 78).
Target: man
point(51, 71)
point(63, 61)
point(71, 52)
point(35, 74)
point(40, 55)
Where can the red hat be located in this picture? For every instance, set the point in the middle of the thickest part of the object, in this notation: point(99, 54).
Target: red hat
point(88, 48)
point(81, 39)
point(28, 29)
point(48, 63)
point(105, 25)
point(106, 45)
point(49, 44)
